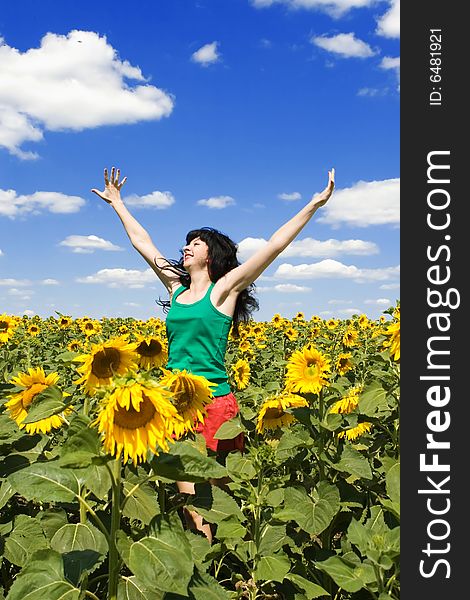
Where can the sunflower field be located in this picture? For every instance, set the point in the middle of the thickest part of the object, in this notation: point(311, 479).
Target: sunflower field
point(95, 432)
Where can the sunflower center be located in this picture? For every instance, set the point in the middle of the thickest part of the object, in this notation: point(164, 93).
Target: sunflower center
point(149, 349)
point(105, 363)
point(3, 325)
point(273, 413)
point(135, 419)
point(185, 397)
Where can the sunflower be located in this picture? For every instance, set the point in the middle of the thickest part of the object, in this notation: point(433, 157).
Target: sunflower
point(350, 338)
point(241, 373)
point(393, 330)
point(64, 322)
point(105, 360)
point(331, 324)
point(191, 393)
point(343, 363)
point(307, 371)
point(74, 346)
point(33, 330)
point(7, 327)
point(277, 321)
point(135, 417)
point(363, 322)
point(347, 405)
point(244, 345)
point(273, 411)
point(90, 327)
point(291, 334)
point(152, 351)
point(299, 316)
point(33, 383)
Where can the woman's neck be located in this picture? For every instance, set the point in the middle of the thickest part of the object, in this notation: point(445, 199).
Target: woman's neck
point(200, 281)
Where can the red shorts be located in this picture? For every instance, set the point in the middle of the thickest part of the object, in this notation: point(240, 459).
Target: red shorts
point(222, 409)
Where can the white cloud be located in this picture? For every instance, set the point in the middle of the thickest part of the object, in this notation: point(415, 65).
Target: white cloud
point(206, 55)
point(29, 313)
point(217, 202)
point(336, 301)
point(158, 200)
point(14, 282)
point(20, 294)
point(87, 244)
point(332, 269)
point(344, 44)
point(49, 282)
point(120, 278)
point(335, 8)
point(289, 196)
point(379, 302)
point(390, 286)
point(349, 311)
point(285, 288)
point(1, 253)
point(391, 63)
point(371, 92)
point(310, 247)
point(71, 82)
point(12, 205)
point(366, 203)
point(389, 24)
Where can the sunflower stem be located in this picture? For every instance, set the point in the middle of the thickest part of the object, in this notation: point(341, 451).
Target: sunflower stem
point(114, 562)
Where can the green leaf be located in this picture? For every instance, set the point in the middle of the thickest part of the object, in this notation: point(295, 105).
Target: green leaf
point(344, 575)
point(354, 463)
point(373, 400)
point(272, 568)
point(142, 504)
point(43, 578)
point(186, 463)
point(272, 539)
point(204, 587)
point(230, 528)
point(46, 482)
point(98, 480)
point(240, 467)
point(130, 588)
point(312, 590)
point(200, 545)
point(392, 483)
point(312, 516)
point(26, 537)
point(79, 536)
point(6, 492)
point(214, 504)
point(52, 520)
point(45, 404)
point(78, 562)
point(359, 536)
point(82, 444)
point(230, 429)
point(163, 559)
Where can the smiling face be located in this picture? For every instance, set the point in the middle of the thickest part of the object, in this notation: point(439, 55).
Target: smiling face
point(196, 253)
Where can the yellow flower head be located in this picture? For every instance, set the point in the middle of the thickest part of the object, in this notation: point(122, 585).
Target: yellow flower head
point(343, 363)
point(152, 351)
point(74, 346)
point(135, 418)
point(393, 330)
point(277, 320)
point(64, 322)
point(347, 405)
point(105, 361)
point(307, 371)
point(244, 345)
point(332, 323)
point(273, 411)
point(291, 334)
point(7, 327)
point(190, 395)
point(33, 330)
point(90, 327)
point(350, 337)
point(241, 373)
point(33, 383)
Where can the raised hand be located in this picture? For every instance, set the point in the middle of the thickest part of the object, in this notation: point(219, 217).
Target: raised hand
point(112, 186)
point(322, 198)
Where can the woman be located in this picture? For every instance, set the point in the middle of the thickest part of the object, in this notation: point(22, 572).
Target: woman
point(208, 291)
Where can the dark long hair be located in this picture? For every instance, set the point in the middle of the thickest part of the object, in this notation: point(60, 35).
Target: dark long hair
point(222, 253)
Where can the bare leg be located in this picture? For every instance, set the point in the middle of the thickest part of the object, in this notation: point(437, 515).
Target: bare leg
point(193, 519)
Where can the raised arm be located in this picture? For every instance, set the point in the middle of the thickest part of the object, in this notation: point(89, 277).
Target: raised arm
point(138, 236)
point(241, 277)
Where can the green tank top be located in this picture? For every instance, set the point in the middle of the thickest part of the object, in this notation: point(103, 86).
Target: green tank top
point(197, 339)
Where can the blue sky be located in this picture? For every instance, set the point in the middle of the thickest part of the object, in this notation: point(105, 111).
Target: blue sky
point(226, 113)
